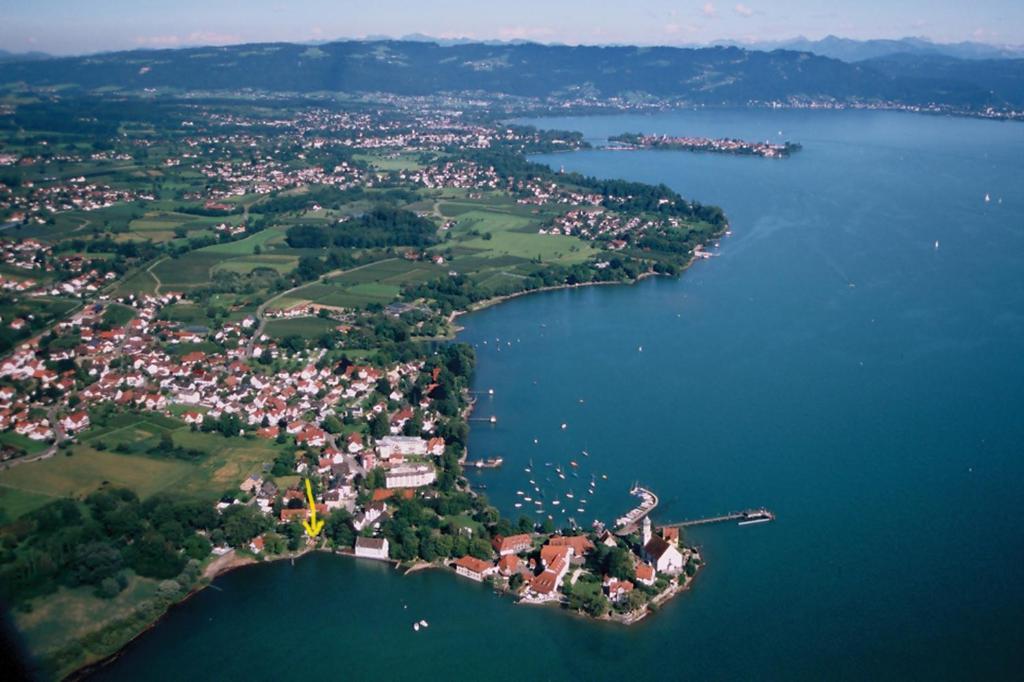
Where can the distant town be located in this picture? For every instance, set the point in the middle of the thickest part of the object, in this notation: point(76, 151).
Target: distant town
point(724, 145)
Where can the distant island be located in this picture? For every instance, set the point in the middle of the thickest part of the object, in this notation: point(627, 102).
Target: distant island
point(721, 145)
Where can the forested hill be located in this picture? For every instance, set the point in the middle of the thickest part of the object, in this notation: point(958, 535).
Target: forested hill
point(719, 75)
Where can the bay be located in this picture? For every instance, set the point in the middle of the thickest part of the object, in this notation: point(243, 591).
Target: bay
point(831, 364)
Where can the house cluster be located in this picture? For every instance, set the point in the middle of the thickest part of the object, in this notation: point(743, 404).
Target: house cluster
point(561, 559)
point(726, 145)
point(263, 175)
point(27, 254)
point(34, 201)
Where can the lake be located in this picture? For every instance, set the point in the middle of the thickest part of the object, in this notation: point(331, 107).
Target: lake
point(852, 359)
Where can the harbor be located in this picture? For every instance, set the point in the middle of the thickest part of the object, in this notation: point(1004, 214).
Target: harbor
point(629, 522)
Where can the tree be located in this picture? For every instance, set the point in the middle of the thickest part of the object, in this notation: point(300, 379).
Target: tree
point(480, 548)
point(380, 425)
point(197, 547)
point(619, 563)
point(153, 556)
point(331, 424)
point(241, 524)
point(94, 562)
point(338, 528)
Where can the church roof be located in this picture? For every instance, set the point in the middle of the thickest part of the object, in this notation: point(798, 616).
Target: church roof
point(656, 546)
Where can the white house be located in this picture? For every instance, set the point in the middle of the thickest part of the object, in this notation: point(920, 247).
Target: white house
point(372, 548)
point(75, 422)
point(473, 568)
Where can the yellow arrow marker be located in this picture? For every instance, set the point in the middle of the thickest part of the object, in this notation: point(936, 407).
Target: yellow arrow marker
point(312, 526)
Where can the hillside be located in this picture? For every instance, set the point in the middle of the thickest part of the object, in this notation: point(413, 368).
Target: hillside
point(719, 75)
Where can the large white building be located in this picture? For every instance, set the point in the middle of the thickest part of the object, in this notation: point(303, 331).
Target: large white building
point(660, 553)
point(401, 445)
point(410, 476)
point(372, 548)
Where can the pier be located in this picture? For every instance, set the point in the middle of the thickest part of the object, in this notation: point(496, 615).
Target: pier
point(742, 517)
point(490, 463)
point(629, 523)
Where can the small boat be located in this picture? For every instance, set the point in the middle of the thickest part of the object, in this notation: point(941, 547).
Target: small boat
point(585, 453)
point(555, 502)
point(604, 476)
point(987, 198)
point(561, 475)
point(533, 482)
point(573, 463)
point(527, 469)
point(416, 627)
point(528, 499)
point(936, 244)
point(569, 495)
point(519, 493)
point(538, 503)
point(640, 349)
point(424, 624)
point(564, 425)
point(518, 505)
point(580, 510)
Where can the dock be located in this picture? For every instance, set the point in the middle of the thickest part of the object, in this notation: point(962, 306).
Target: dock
point(490, 463)
point(629, 523)
point(744, 517)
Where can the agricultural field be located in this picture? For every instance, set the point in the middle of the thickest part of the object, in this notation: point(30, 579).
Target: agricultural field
point(117, 454)
point(378, 282)
point(390, 161)
point(244, 265)
point(495, 228)
point(306, 327)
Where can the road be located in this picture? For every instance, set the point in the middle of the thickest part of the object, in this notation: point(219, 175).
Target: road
point(262, 309)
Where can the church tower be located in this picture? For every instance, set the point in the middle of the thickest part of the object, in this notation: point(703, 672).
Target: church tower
point(647, 530)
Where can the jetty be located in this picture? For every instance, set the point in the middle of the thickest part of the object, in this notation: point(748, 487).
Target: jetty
point(747, 516)
point(629, 522)
point(489, 463)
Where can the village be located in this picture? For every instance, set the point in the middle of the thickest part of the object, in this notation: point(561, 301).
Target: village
point(131, 367)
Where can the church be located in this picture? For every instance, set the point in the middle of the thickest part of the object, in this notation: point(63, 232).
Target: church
point(660, 553)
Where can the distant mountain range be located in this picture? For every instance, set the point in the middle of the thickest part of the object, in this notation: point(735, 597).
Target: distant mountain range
point(6, 56)
point(849, 50)
point(711, 75)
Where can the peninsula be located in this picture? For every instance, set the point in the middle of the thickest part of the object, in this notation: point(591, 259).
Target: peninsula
point(238, 299)
point(722, 145)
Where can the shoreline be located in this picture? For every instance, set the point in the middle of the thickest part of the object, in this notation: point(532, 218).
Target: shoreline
point(216, 569)
point(222, 565)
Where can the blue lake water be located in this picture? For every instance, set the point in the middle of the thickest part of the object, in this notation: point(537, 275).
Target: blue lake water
point(831, 364)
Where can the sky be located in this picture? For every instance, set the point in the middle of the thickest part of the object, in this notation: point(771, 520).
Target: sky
point(84, 26)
